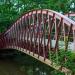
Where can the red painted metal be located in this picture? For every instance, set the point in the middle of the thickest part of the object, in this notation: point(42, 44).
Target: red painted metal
point(33, 32)
point(58, 27)
point(50, 30)
point(70, 14)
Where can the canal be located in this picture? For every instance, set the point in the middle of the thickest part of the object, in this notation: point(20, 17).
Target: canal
point(13, 62)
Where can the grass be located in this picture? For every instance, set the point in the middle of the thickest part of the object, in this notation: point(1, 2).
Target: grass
point(60, 57)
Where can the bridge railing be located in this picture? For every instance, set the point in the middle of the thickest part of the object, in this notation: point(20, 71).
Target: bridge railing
point(43, 32)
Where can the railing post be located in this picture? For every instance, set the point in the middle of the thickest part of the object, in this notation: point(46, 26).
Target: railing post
point(74, 39)
point(38, 36)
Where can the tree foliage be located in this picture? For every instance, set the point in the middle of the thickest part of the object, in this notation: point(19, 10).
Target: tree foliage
point(10, 10)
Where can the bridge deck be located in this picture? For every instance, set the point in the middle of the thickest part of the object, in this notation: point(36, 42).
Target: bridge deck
point(40, 58)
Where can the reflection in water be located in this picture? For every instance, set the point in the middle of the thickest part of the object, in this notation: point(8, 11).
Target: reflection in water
point(17, 63)
point(8, 67)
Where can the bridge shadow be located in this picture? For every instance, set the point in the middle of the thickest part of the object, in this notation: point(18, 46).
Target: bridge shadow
point(31, 65)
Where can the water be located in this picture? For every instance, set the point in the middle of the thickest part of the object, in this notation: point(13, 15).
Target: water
point(17, 63)
point(8, 67)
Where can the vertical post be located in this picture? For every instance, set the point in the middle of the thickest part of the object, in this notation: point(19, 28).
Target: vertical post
point(30, 34)
point(67, 40)
point(27, 32)
point(39, 30)
point(43, 36)
point(15, 34)
point(38, 33)
point(32, 26)
point(50, 24)
point(23, 31)
point(5, 40)
point(56, 28)
point(20, 33)
point(33, 23)
point(49, 40)
point(68, 14)
point(26, 19)
point(24, 34)
point(35, 31)
point(10, 37)
point(74, 38)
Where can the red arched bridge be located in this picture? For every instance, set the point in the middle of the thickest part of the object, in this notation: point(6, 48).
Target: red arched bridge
point(42, 34)
point(70, 14)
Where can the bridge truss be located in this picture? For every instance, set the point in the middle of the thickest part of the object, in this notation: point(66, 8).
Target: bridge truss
point(42, 34)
